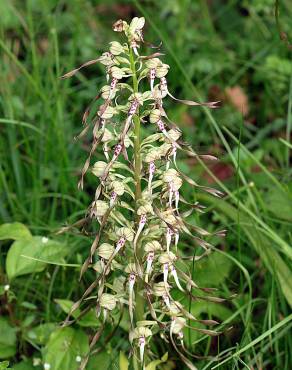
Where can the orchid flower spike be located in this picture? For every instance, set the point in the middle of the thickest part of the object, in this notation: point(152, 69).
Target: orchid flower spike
point(134, 216)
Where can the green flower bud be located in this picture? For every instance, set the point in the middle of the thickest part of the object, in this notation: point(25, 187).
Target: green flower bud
point(155, 116)
point(159, 289)
point(136, 96)
point(105, 92)
point(105, 251)
point(153, 63)
point(174, 308)
point(100, 208)
point(136, 24)
point(159, 94)
point(98, 168)
point(122, 60)
point(178, 325)
point(106, 59)
point(147, 95)
point(165, 149)
point(176, 183)
point(107, 136)
point(117, 72)
point(167, 258)
point(139, 332)
point(108, 301)
point(98, 267)
point(118, 187)
point(116, 48)
point(126, 233)
point(174, 135)
point(108, 113)
point(152, 155)
point(152, 246)
point(162, 71)
point(170, 175)
point(131, 267)
point(169, 217)
point(144, 209)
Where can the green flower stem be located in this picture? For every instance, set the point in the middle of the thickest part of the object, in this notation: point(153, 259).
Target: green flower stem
point(137, 139)
point(140, 302)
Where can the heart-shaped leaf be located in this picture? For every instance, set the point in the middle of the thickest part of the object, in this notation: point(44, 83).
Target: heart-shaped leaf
point(65, 349)
point(15, 231)
point(31, 255)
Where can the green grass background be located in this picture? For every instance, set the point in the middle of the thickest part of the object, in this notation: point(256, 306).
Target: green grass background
point(213, 48)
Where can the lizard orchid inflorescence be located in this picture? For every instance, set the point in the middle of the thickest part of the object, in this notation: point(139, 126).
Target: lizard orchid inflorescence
point(136, 251)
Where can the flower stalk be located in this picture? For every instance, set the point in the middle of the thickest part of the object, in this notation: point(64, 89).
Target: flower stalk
point(137, 201)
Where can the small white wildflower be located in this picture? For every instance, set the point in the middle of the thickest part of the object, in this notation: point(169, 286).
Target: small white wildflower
point(6, 287)
point(36, 361)
point(45, 239)
point(47, 366)
point(78, 358)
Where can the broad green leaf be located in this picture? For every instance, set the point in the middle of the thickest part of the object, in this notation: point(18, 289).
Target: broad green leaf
point(279, 203)
point(153, 364)
point(214, 310)
point(24, 256)
point(212, 271)
point(15, 231)
point(104, 361)
point(7, 339)
point(88, 320)
point(41, 333)
point(123, 361)
point(65, 348)
point(24, 365)
point(4, 365)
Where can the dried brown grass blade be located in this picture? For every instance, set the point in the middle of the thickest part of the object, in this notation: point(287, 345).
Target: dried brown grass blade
point(74, 71)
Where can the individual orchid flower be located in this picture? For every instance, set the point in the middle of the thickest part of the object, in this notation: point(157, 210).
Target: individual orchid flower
point(166, 300)
point(152, 78)
point(140, 334)
point(166, 260)
point(132, 279)
point(142, 222)
point(105, 252)
point(113, 85)
point(98, 209)
point(174, 274)
point(150, 259)
point(150, 248)
point(108, 303)
point(121, 242)
point(113, 198)
point(165, 272)
point(151, 174)
point(117, 150)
